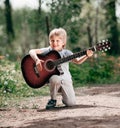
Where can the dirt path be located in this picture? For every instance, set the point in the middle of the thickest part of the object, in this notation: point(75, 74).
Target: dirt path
point(97, 107)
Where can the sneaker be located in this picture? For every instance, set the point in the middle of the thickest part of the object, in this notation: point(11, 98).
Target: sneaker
point(51, 104)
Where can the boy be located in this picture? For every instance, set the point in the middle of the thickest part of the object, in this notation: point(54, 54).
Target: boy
point(62, 83)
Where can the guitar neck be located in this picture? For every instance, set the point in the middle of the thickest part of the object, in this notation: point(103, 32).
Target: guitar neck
point(75, 55)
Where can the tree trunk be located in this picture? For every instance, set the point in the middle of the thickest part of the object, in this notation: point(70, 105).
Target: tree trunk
point(96, 25)
point(9, 23)
point(111, 25)
point(89, 35)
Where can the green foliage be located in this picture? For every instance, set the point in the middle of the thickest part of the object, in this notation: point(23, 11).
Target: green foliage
point(84, 22)
point(60, 16)
point(112, 26)
point(100, 71)
point(12, 84)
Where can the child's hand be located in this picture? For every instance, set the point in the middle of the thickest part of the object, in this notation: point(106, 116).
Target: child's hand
point(89, 53)
point(39, 64)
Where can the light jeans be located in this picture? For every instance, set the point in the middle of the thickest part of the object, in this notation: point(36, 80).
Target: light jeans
point(57, 83)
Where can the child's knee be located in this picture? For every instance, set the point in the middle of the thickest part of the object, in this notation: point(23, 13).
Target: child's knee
point(69, 102)
point(54, 79)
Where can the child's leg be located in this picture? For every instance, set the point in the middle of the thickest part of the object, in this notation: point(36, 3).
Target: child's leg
point(68, 93)
point(55, 84)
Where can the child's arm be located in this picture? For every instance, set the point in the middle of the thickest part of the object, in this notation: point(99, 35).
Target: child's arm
point(33, 53)
point(80, 60)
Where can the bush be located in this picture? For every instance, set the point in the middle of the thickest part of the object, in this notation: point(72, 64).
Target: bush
point(12, 84)
point(100, 71)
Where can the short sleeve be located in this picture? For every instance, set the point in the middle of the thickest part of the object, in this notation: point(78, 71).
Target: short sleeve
point(68, 52)
point(45, 50)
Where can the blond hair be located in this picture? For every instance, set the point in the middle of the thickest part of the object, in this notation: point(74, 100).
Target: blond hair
point(59, 32)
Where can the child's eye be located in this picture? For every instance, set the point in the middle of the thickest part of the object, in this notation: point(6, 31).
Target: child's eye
point(58, 41)
point(52, 41)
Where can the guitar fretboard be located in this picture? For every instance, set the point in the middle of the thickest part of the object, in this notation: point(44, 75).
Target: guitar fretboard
point(68, 58)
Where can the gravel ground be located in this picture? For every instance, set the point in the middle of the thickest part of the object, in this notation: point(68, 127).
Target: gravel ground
point(97, 107)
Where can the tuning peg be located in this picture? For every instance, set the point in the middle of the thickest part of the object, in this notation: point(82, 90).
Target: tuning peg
point(103, 40)
point(103, 43)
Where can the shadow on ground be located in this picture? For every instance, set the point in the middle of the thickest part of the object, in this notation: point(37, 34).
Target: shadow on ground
point(75, 122)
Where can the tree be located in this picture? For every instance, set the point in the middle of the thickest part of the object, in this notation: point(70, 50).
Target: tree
point(89, 23)
point(61, 12)
point(9, 23)
point(65, 13)
point(111, 26)
point(90, 38)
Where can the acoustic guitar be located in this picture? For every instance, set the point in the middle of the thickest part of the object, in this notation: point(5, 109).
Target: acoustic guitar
point(36, 79)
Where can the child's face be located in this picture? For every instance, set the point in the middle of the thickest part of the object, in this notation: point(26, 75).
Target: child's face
point(56, 43)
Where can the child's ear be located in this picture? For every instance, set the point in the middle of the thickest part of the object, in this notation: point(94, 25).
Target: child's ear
point(63, 45)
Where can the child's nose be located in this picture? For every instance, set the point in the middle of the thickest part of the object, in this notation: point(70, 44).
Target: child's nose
point(55, 42)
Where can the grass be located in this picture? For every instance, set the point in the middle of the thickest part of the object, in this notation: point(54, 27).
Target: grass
point(12, 84)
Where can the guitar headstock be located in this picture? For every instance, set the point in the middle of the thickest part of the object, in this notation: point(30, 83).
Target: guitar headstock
point(103, 45)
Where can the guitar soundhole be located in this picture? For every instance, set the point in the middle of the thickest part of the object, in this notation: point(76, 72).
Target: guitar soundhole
point(50, 65)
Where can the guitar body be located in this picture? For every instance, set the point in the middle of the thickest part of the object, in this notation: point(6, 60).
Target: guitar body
point(32, 76)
